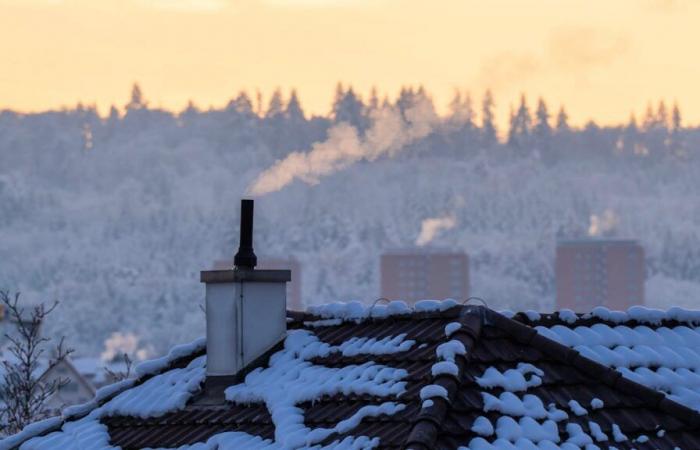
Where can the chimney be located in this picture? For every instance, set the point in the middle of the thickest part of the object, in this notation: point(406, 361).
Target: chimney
point(245, 312)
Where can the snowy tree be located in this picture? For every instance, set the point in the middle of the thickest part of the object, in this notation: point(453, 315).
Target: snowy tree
point(520, 126)
point(562, 126)
point(462, 110)
point(542, 131)
point(275, 107)
point(137, 101)
point(676, 133)
point(242, 104)
point(373, 103)
point(488, 121)
point(348, 107)
point(294, 112)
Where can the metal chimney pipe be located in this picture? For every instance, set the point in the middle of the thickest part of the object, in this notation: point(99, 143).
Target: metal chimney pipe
point(245, 258)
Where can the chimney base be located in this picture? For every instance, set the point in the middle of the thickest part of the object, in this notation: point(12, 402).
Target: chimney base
point(214, 390)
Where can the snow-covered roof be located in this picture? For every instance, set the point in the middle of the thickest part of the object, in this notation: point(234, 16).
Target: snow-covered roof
point(439, 375)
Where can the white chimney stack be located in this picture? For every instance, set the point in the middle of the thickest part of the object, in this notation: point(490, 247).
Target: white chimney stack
point(245, 309)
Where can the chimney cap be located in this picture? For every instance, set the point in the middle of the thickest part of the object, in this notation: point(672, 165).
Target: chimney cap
point(237, 276)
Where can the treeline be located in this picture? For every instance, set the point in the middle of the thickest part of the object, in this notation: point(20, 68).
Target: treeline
point(280, 125)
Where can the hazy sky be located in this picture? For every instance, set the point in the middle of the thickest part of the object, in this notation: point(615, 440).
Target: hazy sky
point(602, 58)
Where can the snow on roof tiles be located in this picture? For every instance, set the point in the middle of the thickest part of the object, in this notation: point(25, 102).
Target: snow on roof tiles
point(438, 376)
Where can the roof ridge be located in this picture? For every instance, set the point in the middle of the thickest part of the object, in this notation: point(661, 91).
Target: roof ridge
point(429, 420)
point(528, 335)
point(636, 315)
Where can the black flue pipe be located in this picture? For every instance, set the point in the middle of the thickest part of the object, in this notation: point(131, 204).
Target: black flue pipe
point(245, 258)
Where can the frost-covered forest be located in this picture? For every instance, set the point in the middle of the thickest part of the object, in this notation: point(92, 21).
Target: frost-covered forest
point(116, 215)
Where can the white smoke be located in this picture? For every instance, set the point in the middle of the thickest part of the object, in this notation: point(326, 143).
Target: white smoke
point(120, 343)
point(604, 224)
point(388, 134)
point(433, 226)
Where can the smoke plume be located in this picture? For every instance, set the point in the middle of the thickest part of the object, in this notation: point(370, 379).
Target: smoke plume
point(604, 224)
point(432, 226)
point(388, 134)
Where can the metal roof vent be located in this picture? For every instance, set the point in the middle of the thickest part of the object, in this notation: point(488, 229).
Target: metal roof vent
point(245, 310)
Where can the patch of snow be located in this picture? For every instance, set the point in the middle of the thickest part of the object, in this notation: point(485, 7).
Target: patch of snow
point(447, 351)
point(444, 368)
point(371, 346)
point(604, 313)
point(322, 323)
point(180, 351)
point(482, 426)
point(664, 358)
point(84, 434)
point(163, 393)
point(556, 414)
point(642, 439)
point(507, 313)
point(451, 328)
point(597, 432)
point(433, 390)
point(512, 405)
point(512, 380)
point(357, 311)
point(577, 436)
point(618, 435)
point(237, 440)
point(29, 431)
point(533, 315)
point(291, 379)
point(434, 305)
point(568, 315)
point(576, 408)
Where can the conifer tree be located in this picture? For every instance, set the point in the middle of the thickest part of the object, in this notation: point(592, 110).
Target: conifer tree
point(542, 128)
point(242, 104)
point(488, 123)
point(521, 125)
point(562, 125)
point(661, 116)
point(136, 101)
point(294, 110)
point(348, 107)
point(373, 99)
point(276, 106)
point(649, 118)
point(676, 138)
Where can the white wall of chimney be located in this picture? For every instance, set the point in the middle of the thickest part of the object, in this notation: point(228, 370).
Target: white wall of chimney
point(244, 320)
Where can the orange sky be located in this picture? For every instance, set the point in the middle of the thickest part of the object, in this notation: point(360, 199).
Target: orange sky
point(602, 58)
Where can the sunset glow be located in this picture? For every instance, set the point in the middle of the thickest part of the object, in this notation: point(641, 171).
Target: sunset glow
point(602, 59)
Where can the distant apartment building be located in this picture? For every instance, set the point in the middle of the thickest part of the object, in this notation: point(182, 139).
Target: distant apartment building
point(294, 301)
point(599, 272)
point(419, 274)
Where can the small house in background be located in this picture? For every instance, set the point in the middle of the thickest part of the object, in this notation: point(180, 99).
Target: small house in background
point(599, 272)
point(294, 300)
point(424, 273)
point(75, 389)
point(99, 372)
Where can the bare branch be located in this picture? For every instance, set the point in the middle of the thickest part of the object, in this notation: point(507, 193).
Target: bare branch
point(121, 375)
point(24, 390)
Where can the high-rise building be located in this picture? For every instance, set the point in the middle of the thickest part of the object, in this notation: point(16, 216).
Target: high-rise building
point(294, 301)
point(599, 272)
point(424, 273)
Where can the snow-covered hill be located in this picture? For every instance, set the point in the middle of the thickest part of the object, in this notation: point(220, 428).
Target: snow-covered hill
point(115, 217)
